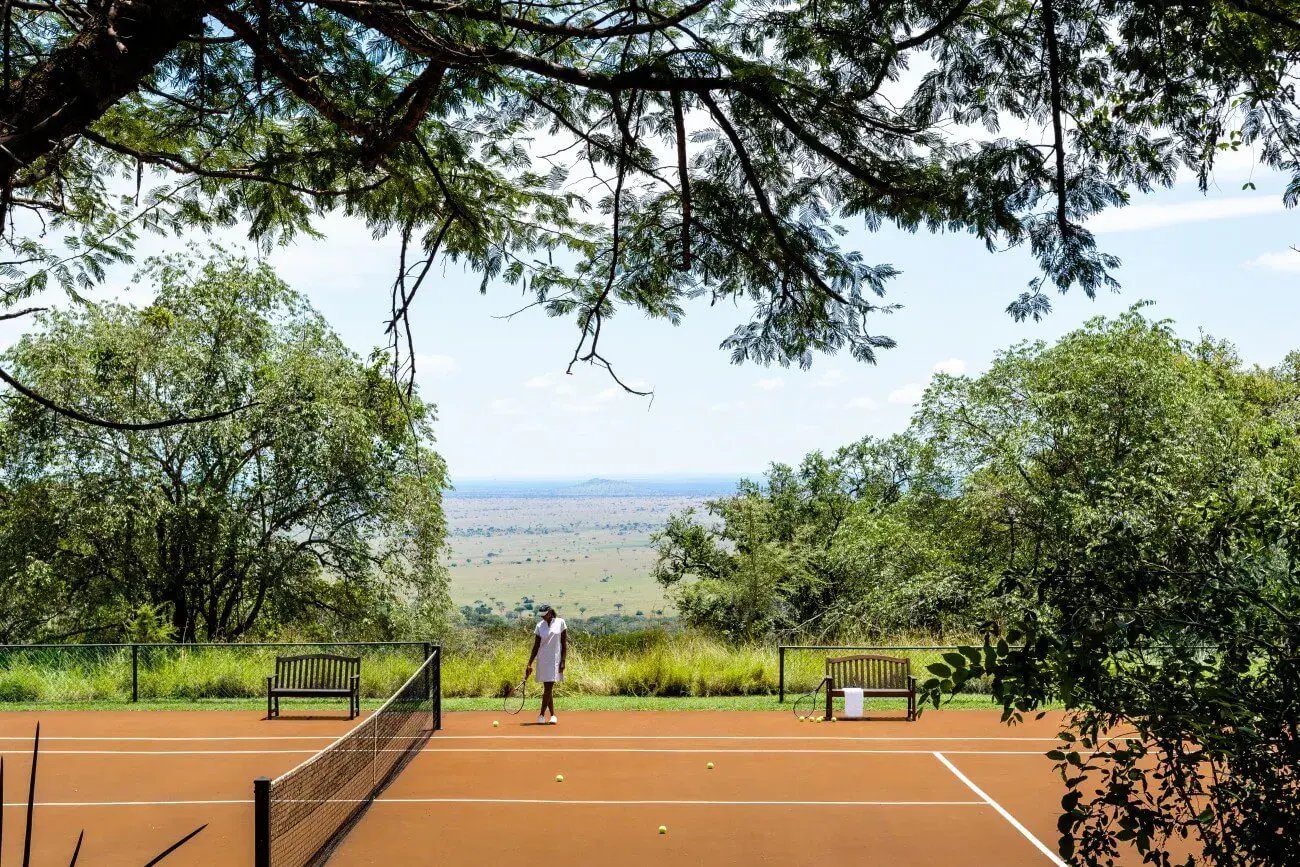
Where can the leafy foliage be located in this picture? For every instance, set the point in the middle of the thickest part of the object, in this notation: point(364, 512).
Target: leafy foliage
point(316, 507)
point(613, 154)
point(859, 545)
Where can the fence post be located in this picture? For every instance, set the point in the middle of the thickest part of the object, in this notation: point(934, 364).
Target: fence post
point(437, 689)
point(780, 676)
point(262, 822)
point(135, 673)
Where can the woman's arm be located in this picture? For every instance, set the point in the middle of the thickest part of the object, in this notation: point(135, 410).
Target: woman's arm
point(564, 648)
point(537, 643)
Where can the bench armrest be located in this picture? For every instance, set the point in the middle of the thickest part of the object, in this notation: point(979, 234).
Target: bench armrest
point(828, 682)
point(355, 680)
point(271, 680)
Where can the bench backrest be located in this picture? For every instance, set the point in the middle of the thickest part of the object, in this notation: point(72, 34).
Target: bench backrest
point(316, 671)
point(869, 672)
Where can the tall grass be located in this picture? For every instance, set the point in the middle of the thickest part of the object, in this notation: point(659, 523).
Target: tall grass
point(649, 663)
point(176, 672)
point(644, 664)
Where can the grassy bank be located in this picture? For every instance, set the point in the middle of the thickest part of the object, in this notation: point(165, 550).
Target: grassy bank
point(636, 665)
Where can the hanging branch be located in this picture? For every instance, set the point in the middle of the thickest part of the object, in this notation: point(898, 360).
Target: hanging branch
point(765, 204)
point(1058, 133)
point(594, 317)
point(679, 122)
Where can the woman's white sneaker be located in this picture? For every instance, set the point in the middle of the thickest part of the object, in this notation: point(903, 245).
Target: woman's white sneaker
point(555, 720)
point(541, 720)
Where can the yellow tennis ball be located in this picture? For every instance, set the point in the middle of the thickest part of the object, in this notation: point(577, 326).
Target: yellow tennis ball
point(663, 829)
point(831, 719)
point(818, 719)
point(495, 723)
point(559, 778)
point(709, 766)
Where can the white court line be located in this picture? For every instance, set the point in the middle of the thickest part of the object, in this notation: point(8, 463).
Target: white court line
point(667, 803)
point(718, 750)
point(540, 801)
point(45, 738)
point(212, 803)
point(445, 737)
point(1052, 856)
point(511, 750)
point(45, 753)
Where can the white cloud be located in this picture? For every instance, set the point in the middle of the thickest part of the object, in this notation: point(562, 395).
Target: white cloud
point(908, 394)
point(1136, 218)
point(591, 404)
point(953, 367)
point(561, 385)
point(830, 379)
point(773, 384)
point(861, 403)
point(1286, 260)
point(502, 406)
point(730, 406)
point(436, 365)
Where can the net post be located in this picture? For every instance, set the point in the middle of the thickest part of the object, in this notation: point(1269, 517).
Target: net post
point(262, 822)
point(437, 688)
point(135, 673)
point(780, 676)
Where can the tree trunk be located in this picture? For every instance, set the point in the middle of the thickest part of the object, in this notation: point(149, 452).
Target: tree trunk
point(122, 43)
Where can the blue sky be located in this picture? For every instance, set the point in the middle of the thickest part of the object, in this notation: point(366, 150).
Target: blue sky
point(1221, 263)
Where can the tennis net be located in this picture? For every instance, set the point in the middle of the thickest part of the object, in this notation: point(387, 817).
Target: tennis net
point(302, 815)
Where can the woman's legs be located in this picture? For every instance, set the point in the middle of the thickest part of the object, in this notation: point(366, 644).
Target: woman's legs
point(548, 699)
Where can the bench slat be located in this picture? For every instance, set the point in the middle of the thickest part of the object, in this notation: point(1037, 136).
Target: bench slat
point(316, 671)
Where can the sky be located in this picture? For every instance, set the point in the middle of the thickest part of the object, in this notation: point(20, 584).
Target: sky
point(1220, 263)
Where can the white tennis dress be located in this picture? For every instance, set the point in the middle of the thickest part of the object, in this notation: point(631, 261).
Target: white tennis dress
point(548, 652)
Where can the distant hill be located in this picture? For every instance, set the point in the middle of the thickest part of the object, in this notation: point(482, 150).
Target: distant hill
point(604, 488)
point(703, 487)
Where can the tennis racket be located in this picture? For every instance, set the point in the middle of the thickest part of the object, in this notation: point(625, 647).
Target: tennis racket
point(807, 707)
point(512, 700)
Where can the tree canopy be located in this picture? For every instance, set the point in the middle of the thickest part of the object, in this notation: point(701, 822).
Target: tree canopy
point(614, 154)
point(316, 509)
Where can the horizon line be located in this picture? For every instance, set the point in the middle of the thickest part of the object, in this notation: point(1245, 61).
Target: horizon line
point(582, 477)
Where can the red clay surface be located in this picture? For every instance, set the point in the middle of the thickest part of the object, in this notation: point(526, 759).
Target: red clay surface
point(781, 792)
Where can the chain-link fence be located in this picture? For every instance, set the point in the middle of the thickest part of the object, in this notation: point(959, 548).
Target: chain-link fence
point(68, 673)
point(801, 667)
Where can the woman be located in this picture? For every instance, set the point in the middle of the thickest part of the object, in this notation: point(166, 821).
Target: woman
point(550, 649)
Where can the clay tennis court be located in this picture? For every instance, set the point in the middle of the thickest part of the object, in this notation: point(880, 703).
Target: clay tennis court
point(955, 788)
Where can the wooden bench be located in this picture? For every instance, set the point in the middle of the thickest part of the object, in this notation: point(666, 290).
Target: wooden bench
point(315, 675)
point(876, 676)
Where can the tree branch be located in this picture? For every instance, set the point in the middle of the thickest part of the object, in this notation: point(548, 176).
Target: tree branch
point(683, 173)
point(77, 415)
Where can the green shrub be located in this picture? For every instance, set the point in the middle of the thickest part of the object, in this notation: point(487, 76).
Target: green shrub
point(21, 684)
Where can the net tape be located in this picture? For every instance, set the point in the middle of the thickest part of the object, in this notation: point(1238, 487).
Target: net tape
point(314, 805)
